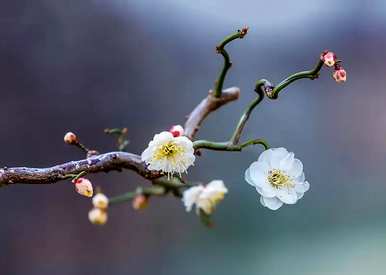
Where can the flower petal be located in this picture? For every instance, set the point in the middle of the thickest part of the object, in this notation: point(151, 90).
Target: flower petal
point(287, 162)
point(296, 169)
point(272, 203)
point(266, 191)
point(302, 187)
point(287, 195)
point(257, 172)
point(248, 178)
point(265, 156)
point(191, 195)
point(277, 155)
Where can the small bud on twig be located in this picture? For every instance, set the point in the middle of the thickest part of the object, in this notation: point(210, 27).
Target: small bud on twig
point(83, 186)
point(340, 74)
point(177, 131)
point(91, 153)
point(329, 58)
point(71, 138)
point(97, 216)
point(140, 202)
point(100, 201)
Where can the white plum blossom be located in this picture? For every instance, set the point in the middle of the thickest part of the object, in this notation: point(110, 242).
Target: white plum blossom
point(204, 197)
point(169, 154)
point(278, 177)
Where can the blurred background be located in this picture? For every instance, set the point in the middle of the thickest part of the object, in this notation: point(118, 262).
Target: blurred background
point(86, 65)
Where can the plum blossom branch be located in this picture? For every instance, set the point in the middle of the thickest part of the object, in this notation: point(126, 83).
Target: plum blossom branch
point(112, 161)
point(227, 63)
point(206, 106)
point(228, 146)
point(245, 116)
point(233, 143)
point(272, 92)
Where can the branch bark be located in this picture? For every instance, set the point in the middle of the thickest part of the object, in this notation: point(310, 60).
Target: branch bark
point(112, 161)
point(206, 106)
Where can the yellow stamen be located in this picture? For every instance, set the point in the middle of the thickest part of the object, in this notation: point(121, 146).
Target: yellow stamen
point(278, 178)
point(168, 150)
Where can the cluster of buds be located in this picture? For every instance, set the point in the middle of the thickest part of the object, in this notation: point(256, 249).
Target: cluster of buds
point(98, 215)
point(83, 186)
point(330, 60)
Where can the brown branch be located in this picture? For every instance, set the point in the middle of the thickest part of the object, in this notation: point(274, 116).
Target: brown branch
point(113, 161)
point(206, 106)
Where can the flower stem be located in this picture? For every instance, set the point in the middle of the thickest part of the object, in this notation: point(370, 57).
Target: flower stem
point(155, 190)
point(228, 146)
point(227, 63)
point(311, 74)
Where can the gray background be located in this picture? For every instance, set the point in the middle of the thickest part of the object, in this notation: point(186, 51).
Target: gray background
point(87, 65)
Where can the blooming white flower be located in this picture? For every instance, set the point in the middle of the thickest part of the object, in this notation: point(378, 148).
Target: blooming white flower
point(204, 197)
point(97, 216)
point(169, 154)
point(100, 201)
point(278, 177)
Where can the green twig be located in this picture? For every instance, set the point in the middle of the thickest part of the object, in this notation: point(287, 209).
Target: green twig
point(121, 135)
point(227, 63)
point(245, 116)
point(155, 190)
point(273, 92)
point(228, 146)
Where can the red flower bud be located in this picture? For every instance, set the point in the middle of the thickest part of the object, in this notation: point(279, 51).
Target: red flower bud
point(177, 130)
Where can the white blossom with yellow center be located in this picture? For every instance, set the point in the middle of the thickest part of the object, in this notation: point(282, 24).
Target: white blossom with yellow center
point(278, 177)
point(204, 197)
point(169, 154)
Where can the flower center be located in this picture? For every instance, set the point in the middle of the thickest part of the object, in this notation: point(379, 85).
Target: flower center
point(278, 178)
point(167, 150)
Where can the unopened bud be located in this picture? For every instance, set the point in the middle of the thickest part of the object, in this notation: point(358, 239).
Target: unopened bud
point(177, 130)
point(91, 153)
point(97, 216)
point(83, 186)
point(70, 138)
point(100, 201)
point(140, 202)
point(340, 75)
point(329, 58)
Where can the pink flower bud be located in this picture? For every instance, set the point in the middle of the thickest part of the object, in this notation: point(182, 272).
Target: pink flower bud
point(83, 186)
point(340, 75)
point(70, 138)
point(140, 202)
point(177, 130)
point(329, 58)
